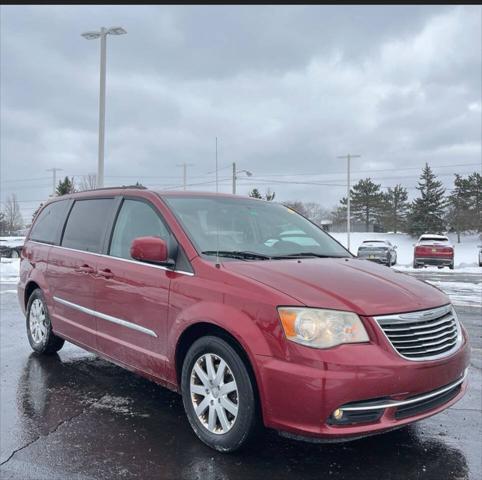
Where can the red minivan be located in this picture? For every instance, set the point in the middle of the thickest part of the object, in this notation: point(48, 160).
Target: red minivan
point(250, 311)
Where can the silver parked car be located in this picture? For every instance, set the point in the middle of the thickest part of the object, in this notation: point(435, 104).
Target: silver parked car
point(381, 251)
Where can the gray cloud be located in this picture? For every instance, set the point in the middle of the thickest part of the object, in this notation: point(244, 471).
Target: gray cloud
point(286, 90)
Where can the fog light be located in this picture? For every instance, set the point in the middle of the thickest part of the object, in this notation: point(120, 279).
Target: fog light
point(338, 414)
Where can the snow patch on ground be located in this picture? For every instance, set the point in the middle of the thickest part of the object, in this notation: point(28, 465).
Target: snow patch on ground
point(461, 293)
point(9, 270)
point(466, 252)
point(117, 404)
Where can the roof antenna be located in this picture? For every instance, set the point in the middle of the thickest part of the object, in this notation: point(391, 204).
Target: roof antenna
point(217, 224)
point(218, 265)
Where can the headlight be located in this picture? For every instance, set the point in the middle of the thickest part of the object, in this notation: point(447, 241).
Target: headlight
point(321, 328)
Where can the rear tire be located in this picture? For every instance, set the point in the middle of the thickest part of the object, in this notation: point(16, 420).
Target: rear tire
point(223, 421)
point(39, 328)
point(451, 266)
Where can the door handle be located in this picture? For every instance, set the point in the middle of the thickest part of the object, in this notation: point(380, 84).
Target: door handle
point(84, 269)
point(106, 273)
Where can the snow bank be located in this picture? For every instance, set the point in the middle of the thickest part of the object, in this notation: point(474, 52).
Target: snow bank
point(466, 252)
point(9, 269)
point(12, 241)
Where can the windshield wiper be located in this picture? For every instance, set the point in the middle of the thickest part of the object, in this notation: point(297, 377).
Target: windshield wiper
point(245, 255)
point(306, 255)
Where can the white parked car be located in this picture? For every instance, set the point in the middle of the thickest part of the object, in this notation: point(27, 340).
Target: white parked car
point(381, 251)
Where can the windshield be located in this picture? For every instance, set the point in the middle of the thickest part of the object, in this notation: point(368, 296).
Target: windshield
point(243, 226)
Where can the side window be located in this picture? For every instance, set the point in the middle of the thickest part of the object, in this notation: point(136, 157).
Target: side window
point(87, 224)
point(48, 223)
point(136, 219)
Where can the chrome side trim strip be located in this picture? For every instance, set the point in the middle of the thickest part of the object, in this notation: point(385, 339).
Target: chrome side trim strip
point(109, 318)
point(182, 272)
point(419, 398)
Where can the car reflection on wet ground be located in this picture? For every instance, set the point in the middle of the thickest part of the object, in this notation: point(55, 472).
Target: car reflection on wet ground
point(76, 416)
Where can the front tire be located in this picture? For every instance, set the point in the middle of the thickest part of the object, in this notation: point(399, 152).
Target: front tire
point(218, 394)
point(39, 328)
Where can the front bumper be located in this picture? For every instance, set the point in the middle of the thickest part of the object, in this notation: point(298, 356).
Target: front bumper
point(301, 398)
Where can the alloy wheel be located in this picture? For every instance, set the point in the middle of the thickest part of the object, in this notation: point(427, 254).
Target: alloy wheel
point(37, 321)
point(214, 393)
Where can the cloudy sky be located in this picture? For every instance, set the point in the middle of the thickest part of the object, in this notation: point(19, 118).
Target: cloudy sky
point(285, 89)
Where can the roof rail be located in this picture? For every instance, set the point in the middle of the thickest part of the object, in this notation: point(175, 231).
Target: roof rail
point(139, 187)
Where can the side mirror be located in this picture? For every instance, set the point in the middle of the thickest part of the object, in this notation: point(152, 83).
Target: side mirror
point(150, 250)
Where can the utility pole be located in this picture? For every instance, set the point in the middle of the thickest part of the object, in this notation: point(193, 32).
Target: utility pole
point(184, 166)
point(217, 178)
point(54, 171)
point(100, 163)
point(102, 34)
point(235, 176)
point(348, 201)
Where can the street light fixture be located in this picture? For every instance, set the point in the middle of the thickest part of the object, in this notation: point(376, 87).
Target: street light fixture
point(102, 34)
point(235, 176)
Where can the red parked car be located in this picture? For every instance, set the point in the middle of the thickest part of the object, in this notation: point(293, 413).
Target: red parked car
point(207, 295)
point(433, 250)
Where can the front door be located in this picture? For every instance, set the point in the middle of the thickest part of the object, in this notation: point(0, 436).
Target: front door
point(132, 297)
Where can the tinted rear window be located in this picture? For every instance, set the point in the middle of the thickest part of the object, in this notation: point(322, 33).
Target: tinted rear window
point(48, 223)
point(434, 239)
point(87, 224)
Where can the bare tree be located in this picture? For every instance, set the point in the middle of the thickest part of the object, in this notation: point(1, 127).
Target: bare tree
point(13, 217)
point(88, 182)
point(314, 211)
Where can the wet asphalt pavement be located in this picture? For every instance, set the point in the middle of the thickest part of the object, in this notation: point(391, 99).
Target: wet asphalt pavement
point(75, 416)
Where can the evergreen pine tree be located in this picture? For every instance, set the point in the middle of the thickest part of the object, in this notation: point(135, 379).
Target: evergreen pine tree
point(366, 202)
point(255, 193)
point(65, 187)
point(475, 194)
point(428, 210)
point(269, 196)
point(459, 204)
point(395, 208)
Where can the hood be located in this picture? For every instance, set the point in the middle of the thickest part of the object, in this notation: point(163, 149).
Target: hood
point(343, 284)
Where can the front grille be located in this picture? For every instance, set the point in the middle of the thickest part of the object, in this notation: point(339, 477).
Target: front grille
point(423, 335)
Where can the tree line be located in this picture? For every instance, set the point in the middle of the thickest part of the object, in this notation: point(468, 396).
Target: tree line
point(434, 210)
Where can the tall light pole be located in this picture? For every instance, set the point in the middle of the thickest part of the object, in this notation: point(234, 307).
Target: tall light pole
point(348, 202)
point(102, 34)
point(235, 176)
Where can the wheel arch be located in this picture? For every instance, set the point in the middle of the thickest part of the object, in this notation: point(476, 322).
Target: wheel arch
point(31, 286)
point(202, 329)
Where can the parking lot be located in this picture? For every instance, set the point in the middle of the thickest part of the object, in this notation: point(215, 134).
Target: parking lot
point(79, 417)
